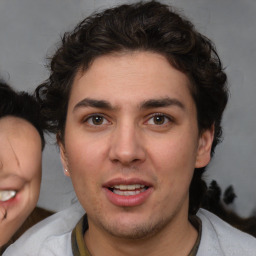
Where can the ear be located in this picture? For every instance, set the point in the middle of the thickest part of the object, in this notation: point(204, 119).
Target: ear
point(63, 157)
point(204, 148)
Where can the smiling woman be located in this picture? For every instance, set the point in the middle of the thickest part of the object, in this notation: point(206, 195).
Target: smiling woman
point(21, 143)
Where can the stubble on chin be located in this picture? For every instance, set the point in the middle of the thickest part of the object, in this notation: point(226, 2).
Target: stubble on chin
point(139, 231)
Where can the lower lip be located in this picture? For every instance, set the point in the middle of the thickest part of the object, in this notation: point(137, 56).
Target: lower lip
point(128, 201)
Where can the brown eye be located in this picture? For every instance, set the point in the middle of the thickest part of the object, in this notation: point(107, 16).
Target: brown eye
point(96, 120)
point(158, 119)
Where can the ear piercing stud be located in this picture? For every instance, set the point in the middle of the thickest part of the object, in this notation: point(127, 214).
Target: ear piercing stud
point(66, 172)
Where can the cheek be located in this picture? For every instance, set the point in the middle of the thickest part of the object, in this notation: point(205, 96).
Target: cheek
point(84, 152)
point(86, 160)
point(83, 156)
point(174, 161)
point(31, 163)
point(34, 185)
point(178, 152)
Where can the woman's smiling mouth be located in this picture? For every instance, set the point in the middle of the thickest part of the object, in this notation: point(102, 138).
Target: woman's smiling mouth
point(6, 195)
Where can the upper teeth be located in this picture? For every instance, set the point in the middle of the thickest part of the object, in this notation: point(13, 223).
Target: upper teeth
point(128, 187)
point(6, 195)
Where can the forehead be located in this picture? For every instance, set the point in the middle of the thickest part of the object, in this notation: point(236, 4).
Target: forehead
point(19, 130)
point(133, 75)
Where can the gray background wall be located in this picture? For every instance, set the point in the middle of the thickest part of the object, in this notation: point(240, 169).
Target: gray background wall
point(30, 29)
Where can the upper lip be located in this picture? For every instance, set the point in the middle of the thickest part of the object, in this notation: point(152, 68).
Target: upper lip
point(126, 181)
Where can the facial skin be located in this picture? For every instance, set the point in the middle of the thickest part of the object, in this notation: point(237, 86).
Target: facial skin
point(131, 120)
point(20, 171)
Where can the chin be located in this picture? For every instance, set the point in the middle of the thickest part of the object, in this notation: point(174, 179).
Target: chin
point(133, 230)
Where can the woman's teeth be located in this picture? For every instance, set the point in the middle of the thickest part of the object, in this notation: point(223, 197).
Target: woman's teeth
point(128, 190)
point(6, 195)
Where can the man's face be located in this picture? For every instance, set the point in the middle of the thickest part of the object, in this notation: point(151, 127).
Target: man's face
point(20, 173)
point(131, 144)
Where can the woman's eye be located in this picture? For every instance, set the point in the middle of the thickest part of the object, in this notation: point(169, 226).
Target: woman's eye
point(96, 120)
point(158, 120)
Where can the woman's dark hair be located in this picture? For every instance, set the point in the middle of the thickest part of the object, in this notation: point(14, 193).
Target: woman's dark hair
point(21, 105)
point(148, 26)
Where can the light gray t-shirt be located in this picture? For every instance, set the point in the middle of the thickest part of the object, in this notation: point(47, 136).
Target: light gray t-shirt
point(52, 237)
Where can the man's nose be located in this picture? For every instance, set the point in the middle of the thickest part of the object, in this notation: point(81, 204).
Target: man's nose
point(126, 145)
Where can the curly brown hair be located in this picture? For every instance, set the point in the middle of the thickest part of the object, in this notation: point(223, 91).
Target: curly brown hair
point(144, 26)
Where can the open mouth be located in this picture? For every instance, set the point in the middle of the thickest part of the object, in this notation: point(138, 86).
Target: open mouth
point(128, 190)
point(6, 195)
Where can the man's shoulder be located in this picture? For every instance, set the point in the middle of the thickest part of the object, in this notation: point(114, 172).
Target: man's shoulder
point(219, 238)
point(48, 235)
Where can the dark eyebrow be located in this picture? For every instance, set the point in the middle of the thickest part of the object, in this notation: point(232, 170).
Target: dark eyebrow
point(163, 102)
point(87, 102)
point(151, 103)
